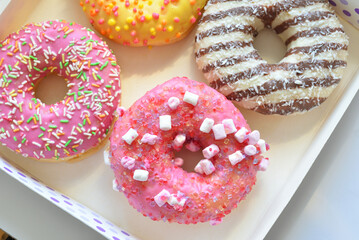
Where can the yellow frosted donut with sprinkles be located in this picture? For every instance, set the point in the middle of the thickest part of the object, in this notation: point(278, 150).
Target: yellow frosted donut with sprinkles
point(143, 22)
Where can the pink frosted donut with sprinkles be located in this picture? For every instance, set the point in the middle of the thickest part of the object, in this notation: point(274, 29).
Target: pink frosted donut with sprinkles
point(81, 121)
point(182, 112)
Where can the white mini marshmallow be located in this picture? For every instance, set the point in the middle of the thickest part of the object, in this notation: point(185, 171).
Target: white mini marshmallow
point(149, 139)
point(198, 168)
point(173, 200)
point(162, 197)
point(190, 98)
point(263, 165)
point(207, 125)
point(250, 150)
point(115, 186)
point(178, 161)
point(130, 136)
point(128, 162)
point(165, 122)
point(140, 175)
point(120, 111)
point(179, 140)
point(173, 102)
point(193, 146)
point(229, 126)
point(253, 137)
point(236, 157)
point(219, 132)
point(206, 167)
point(106, 157)
point(210, 151)
point(262, 145)
point(241, 134)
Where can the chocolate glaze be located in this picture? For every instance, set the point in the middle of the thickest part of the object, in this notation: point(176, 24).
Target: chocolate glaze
point(222, 46)
point(313, 32)
point(265, 69)
point(276, 85)
point(247, 29)
point(307, 17)
point(225, 62)
point(266, 13)
point(316, 49)
point(288, 107)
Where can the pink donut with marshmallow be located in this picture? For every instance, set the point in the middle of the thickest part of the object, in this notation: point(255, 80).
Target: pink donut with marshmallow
point(82, 120)
point(172, 115)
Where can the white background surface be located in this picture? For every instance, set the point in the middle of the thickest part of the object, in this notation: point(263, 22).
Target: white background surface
point(324, 207)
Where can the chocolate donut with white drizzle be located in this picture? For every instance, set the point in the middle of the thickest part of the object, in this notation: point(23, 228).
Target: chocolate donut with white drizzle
point(311, 69)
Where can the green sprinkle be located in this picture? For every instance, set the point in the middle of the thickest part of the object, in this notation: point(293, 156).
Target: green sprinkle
point(66, 64)
point(9, 46)
point(83, 37)
point(84, 122)
point(64, 121)
point(83, 53)
point(12, 76)
point(103, 66)
point(24, 43)
point(80, 125)
point(87, 92)
point(113, 63)
point(5, 80)
point(23, 141)
point(29, 120)
point(71, 44)
point(48, 148)
point(34, 99)
point(84, 75)
point(88, 106)
point(37, 117)
point(68, 142)
point(79, 93)
point(75, 98)
point(70, 94)
point(3, 129)
point(107, 130)
point(95, 64)
point(74, 149)
point(10, 68)
point(108, 86)
point(36, 69)
point(98, 76)
point(52, 126)
point(45, 68)
point(93, 133)
point(50, 22)
point(15, 139)
point(90, 40)
point(71, 23)
point(42, 128)
point(61, 65)
point(65, 36)
point(32, 57)
point(82, 87)
point(78, 76)
point(40, 135)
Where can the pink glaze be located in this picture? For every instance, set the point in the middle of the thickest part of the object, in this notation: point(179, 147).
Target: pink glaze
point(83, 118)
point(194, 197)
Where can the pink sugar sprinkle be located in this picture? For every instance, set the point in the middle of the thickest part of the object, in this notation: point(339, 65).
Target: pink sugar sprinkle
point(155, 15)
point(134, 10)
point(193, 20)
point(136, 40)
point(101, 21)
point(133, 33)
point(127, 4)
point(176, 19)
point(133, 23)
point(142, 18)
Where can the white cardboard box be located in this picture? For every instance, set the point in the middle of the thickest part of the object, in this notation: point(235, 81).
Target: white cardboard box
point(88, 183)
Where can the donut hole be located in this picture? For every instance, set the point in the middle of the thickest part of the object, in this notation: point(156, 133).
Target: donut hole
point(51, 89)
point(269, 46)
point(191, 159)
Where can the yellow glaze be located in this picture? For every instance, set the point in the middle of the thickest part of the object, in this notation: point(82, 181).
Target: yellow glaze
point(143, 22)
